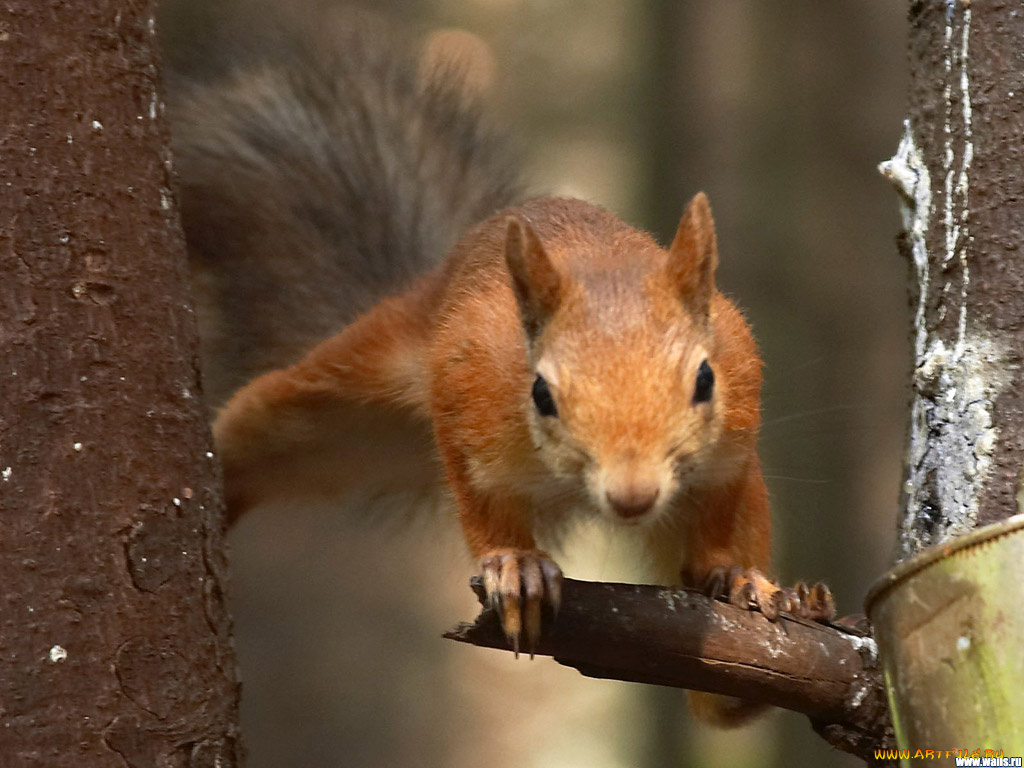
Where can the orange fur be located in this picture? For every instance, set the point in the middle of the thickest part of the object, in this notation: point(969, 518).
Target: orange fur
point(350, 415)
point(616, 326)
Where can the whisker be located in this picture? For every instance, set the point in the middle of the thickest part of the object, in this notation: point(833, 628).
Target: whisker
point(813, 412)
point(805, 480)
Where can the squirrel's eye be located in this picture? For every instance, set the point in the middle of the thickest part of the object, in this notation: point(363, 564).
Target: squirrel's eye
point(705, 383)
point(542, 397)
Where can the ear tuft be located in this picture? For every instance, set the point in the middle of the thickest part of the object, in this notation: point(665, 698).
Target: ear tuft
point(536, 280)
point(693, 256)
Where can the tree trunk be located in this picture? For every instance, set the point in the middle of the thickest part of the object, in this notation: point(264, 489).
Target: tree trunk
point(947, 619)
point(115, 643)
point(959, 169)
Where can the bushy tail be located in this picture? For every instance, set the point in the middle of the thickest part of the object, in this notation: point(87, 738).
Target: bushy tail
point(327, 168)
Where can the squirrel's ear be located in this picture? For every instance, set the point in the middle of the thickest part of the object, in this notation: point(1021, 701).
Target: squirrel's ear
point(536, 280)
point(693, 256)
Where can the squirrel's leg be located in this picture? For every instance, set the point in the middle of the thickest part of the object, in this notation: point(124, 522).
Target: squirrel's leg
point(723, 528)
point(728, 539)
point(726, 551)
point(348, 415)
point(521, 580)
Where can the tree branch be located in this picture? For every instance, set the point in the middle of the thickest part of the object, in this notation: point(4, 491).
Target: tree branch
point(680, 638)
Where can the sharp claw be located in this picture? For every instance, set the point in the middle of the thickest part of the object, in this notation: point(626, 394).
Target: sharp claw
point(518, 584)
point(749, 594)
point(803, 608)
point(751, 590)
point(823, 605)
point(772, 605)
point(511, 620)
point(531, 626)
point(532, 582)
point(491, 581)
point(743, 596)
point(714, 584)
point(552, 575)
point(533, 597)
point(787, 600)
point(734, 576)
point(509, 581)
point(802, 590)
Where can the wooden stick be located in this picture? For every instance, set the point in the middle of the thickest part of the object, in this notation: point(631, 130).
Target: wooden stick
point(680, 638)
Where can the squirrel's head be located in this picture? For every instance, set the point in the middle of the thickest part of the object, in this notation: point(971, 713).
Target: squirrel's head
point(626, 395)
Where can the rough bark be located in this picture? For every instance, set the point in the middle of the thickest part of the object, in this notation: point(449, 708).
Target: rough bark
point(940, 617)
point(115, 643)
point(679, 638)
point(960, 175)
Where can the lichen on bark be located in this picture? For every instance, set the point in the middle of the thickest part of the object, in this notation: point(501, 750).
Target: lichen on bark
point(951, 174)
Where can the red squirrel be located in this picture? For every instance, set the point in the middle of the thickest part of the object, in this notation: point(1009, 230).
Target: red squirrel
point(556, 363)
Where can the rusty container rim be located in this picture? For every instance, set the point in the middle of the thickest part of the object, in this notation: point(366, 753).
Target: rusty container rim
point(905, 570)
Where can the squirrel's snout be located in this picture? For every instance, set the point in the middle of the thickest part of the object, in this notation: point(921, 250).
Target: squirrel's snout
point(633, 502)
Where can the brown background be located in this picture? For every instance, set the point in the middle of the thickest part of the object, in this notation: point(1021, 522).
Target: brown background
point(780, 111)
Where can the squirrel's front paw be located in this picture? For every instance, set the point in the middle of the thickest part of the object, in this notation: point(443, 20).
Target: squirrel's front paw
point(750, 589)
point(519, 583)
point(809, 602)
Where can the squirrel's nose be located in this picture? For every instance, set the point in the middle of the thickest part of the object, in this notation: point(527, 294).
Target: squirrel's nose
point(632, 502)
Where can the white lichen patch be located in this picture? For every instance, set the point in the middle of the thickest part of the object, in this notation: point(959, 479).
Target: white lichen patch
point(774, 649)
point(963, 643)
point(866, 646)
point(956, 186)
point(908, 172)
point(952, 438)
point(859, 691)
point(6, 474)
point(77, 446)
point(958, 372)
point(58, 654)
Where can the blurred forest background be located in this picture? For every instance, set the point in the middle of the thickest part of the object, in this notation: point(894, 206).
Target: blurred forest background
point(780, 111)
